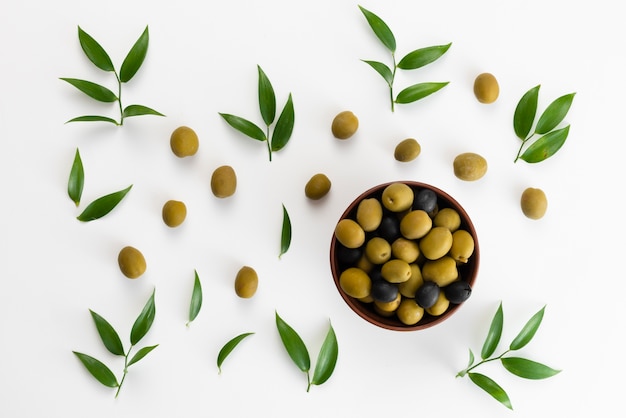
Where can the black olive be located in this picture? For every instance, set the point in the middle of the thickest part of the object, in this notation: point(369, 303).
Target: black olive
point(425, 200)
point(389, 228)
point(384, 291)
point(348, 256)
point(427, 294)
point(458, 292)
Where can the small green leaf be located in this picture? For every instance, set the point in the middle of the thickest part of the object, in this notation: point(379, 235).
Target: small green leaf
point(141, 354)
point(196, 299)
point(135, 57)
point(139, 110)
point(93, 90)
point(525, 113)
point(528, 369)
point(98, 370)
point(143, 322)
point(94, 51)
point(495, 332)
point(418, 91)
point(463, 372)
point(285, 237)
point(423, 56)
point(528, 332)
point(546, 146)
point(228, 348)
point(381, 29)
point(554, 114)
point(381, 69)
point(326, 359)
point(102, 205)
point(109, 336)
point(491, 387)
point(267, 98)
point(77, 179)
point(293, 344)
point(244, 126)
point(284, 126)
point(93, 118)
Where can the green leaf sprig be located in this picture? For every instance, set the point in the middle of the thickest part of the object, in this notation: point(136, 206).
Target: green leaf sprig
point(550, 139)
point(285, 237)
point(100, 58)
point(282, 129)
point(77, 179)
point(228, 348)
point(411, 61)
point(326, 359)
point(196, 299)
point(518, 366)
point(111, 340)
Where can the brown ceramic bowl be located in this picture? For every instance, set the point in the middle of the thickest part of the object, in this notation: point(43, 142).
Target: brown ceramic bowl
point(365, 310)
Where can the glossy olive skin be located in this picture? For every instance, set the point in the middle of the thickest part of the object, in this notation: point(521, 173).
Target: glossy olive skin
point(349, 233)
point(397, 197)
point(486, 88)
point(458, 292)
point(355, 282)
point(427, 294)
point(344, 125)
point(442, 271)
point(389, 306)
point(131, 262)
point(369, 214)
point(449, 218)
point(348, 256)
point(246, 282)
point(409, 312)
point(534, 203)
point(436, 243)
point(469, 166)
point(378, 250)
point(415, 224)
point(174, 213)
point(409, 288)
point(405, 249)
point(441, 305)
point(462, 246)
point(224, 181)
point(396, 271)
point(317, 187)
point(407, 150)
point(389, 228)
point(184, 142)
point(383, 291)
point(425, 200)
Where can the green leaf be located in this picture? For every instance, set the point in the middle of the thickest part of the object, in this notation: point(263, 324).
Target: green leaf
point(102, 205)
point(554, 114)
point(94, 51)
point(141, 354)
point(525, 112)
point(285, 236)
point(139, 110)
point(244, 126)
point(326, 359)
point(109, 336)
point(228, 348)
point(423, 56)
point(528, 369)
point(284, 126)
point(418, 91)
point(93, 90)
point(546, 146)
point(196, 299)
point(77, 179)
point(381, 69)
point(463, 372)
point(491, 387)
point(293, 344)
point(93, 118)
point(143, 322)
point(135, 57)
point(98, 370)
point(381, 29)
point(528, 332)
point(495, 332)
point(267, 98)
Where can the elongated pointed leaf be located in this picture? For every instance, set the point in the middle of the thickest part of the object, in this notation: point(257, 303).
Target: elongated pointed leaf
point(525, 112)
point(109, 336)
point(418, 91)
point(554, 114)
point(135, 57)
point(463, 372)
point(93, 90)
point(93, 118)
point(494, 334)
point(196, 298)
point(144, 321)
point(94, 51)
point(139, 110)
point(423, 56)
point(528, 331)
point(528, 369)
point(326, 359)
point(293, 344)
point(380, 28)
point(98, 370)
point(244, 126)
point(77, 179)
point(285, 236)
point(267, 98)
point(103, 205)
point(491, 387)
point(546, 146)
point(141, 354)
point(381, 69)
point(228, 348)
point(284, 126)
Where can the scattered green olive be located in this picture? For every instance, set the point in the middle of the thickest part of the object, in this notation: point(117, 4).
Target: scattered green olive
point(184, 142)
point(132, 262)
point(534, 203)
point(174, 213)
point(469, 166)
point(317, 187)
point(407, 150)
point(246, 282)
point(224, 181)
point(486, 88)
point(344, 125)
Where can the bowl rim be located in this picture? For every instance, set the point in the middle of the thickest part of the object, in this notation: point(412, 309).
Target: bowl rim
point(360, 308)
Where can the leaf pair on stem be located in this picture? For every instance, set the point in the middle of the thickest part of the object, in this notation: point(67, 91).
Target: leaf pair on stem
point(411, 61)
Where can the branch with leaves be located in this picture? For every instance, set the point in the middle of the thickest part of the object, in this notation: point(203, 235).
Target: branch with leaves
point(100, 58)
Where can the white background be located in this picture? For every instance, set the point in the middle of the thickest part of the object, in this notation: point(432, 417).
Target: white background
point(202, 60)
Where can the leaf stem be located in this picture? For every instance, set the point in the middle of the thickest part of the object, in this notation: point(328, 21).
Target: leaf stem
point(269, 144)
point(308, 380)
point(469, 369)
point(119, 98)
point(519, 152)
point(125, 371)
point(393, 76)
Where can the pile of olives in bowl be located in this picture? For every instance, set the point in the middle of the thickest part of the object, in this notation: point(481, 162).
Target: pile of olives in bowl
point(404, 255)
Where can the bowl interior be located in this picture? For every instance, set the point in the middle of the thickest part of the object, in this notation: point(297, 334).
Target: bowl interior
point(467, 271)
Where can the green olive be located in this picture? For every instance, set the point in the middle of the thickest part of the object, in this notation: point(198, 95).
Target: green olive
point(364, 264)
point(397, 197)
point(486, 88)
point(436, 243)
point(407, 150)
point(416, 280)
point(409, 312)
point(317, 187)
point(534, 203)
point(378, 250)
point(469, 166)
point(344, 125)
point(449, 218)
point(369, 214)
point(462, 246)
point(246, 282)
point(224, 181)
point(355, 282)
point(349, 233)
point(396, 271)
point(174, 213)
point(132, 262)
point(389, 306)
point(440, 306)
point(442, 271)
point(184, 142)
point(405, 249)
point(415, 224)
